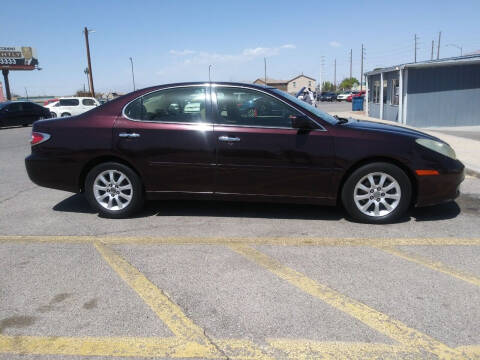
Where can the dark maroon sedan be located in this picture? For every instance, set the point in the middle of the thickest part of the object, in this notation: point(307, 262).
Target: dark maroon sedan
point(239, 142)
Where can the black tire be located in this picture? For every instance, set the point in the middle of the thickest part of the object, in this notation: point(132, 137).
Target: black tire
point(65, 114)
point(136, 202)
point(53, 115)
point(392, 170)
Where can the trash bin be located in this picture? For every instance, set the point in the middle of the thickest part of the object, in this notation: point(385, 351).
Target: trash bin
point(357, 103)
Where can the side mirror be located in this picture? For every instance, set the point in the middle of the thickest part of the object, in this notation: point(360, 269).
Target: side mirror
point(301, 122)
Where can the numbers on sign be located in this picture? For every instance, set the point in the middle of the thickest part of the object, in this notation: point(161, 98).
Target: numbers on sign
point(5, 61)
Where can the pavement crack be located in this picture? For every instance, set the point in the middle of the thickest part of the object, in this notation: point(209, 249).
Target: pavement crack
point(17, 193)
point(215, 345)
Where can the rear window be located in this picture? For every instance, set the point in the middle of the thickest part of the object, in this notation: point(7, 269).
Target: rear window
point(68, 102)
point(88, 102)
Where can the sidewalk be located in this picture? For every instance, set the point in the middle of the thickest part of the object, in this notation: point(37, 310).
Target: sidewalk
point(467, 150)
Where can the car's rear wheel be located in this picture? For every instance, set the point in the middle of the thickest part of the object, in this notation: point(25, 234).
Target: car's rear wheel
point(66, 114)
point(115, 190)
point(377, 193)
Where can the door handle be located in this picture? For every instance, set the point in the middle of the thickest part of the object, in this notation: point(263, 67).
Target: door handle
point(129, 135)
point(229, 139)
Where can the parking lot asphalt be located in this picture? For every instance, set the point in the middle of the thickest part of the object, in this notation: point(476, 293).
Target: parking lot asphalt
point(223, 280)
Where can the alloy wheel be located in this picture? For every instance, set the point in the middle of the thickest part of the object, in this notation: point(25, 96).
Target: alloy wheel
point(377, 194)
point(113, 190)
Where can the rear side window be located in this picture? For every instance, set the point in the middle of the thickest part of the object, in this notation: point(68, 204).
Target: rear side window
point(88, 102)
point(185, 105)
point(14, 107)
point(68, 102)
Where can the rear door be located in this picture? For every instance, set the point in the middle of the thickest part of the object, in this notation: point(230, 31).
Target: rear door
point(168, 134)
point(259, 153)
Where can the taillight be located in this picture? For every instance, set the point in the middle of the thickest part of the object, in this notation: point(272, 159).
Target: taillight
point(38, 138)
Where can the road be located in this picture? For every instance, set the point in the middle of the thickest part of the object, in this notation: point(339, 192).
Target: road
point(225, 280)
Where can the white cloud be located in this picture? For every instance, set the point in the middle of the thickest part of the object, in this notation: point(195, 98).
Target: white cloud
point(204, 57)
point(334, 44)
point(182, 52)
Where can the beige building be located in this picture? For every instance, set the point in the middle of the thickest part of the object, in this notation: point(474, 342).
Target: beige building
point(291, 86)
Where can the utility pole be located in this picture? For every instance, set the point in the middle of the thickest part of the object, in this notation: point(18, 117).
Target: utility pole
point(265, 69)
point(416, 47)
point(335, 75)
point(361, 69)
point(209, 73)
point(322, 64)
point(350, 63)
point(433, 45)
point(90, 75)
point(7, 84)
point(438, 45)
point(133, 74)
point(26, 92)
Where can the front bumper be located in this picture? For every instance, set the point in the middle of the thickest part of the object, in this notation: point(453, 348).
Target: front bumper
point(437, 189)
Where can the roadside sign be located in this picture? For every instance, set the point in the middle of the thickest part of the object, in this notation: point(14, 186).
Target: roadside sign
point(18, 58)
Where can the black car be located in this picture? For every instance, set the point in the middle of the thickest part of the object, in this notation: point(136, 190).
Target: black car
point(328, 96)
point(21, 113)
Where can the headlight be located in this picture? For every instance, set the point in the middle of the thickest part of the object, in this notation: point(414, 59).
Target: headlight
point(437, 146)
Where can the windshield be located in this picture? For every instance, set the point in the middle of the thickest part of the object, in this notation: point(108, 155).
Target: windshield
point(321, 114)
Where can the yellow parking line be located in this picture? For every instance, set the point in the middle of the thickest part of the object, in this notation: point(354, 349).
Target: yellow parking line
point(234, 349)
point(382, 323)
point(434, 265)
point(303, 350)
point(169, 312)
point(288, 241)
point(470, 351)
point(105, 346)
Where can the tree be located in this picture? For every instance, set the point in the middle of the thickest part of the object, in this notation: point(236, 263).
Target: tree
point(348, 83)
point(82, 93)
point(327, 86)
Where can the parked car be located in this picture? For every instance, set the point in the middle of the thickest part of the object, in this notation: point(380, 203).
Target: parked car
point(355, 94)
point(328, 96)
point(343, 96)
point(151, 144)
point(73, 106)
point(21, 113)
point(49, 101)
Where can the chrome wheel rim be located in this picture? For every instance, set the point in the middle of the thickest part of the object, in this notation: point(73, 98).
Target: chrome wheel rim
point(113, 190)
point(377, 194)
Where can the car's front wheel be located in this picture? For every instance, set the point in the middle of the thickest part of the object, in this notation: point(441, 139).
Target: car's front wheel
point(65, 114)
point(377, 193)
point(53, 115)
point(115, 190)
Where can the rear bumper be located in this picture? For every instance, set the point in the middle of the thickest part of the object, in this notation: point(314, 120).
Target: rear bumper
point(436, 189)
point(53, 173)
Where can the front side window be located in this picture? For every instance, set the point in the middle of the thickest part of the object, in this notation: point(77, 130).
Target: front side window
point(245, 107)
point(68, 102)
point(15, 107)
point(185, 105)
point(88, 102)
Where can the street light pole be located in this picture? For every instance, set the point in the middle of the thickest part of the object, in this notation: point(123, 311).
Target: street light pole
point(90, 75)
point(133, 75)
point(26, 92)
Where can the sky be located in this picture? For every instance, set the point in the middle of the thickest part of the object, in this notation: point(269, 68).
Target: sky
point(173, 41)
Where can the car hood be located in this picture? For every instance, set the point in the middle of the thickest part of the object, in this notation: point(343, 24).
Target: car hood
point(365, 125)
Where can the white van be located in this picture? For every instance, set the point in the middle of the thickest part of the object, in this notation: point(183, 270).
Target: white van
point(72, 106)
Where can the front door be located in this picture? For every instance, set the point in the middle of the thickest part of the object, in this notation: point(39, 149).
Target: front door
point(260, 154)
point(168, 134)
